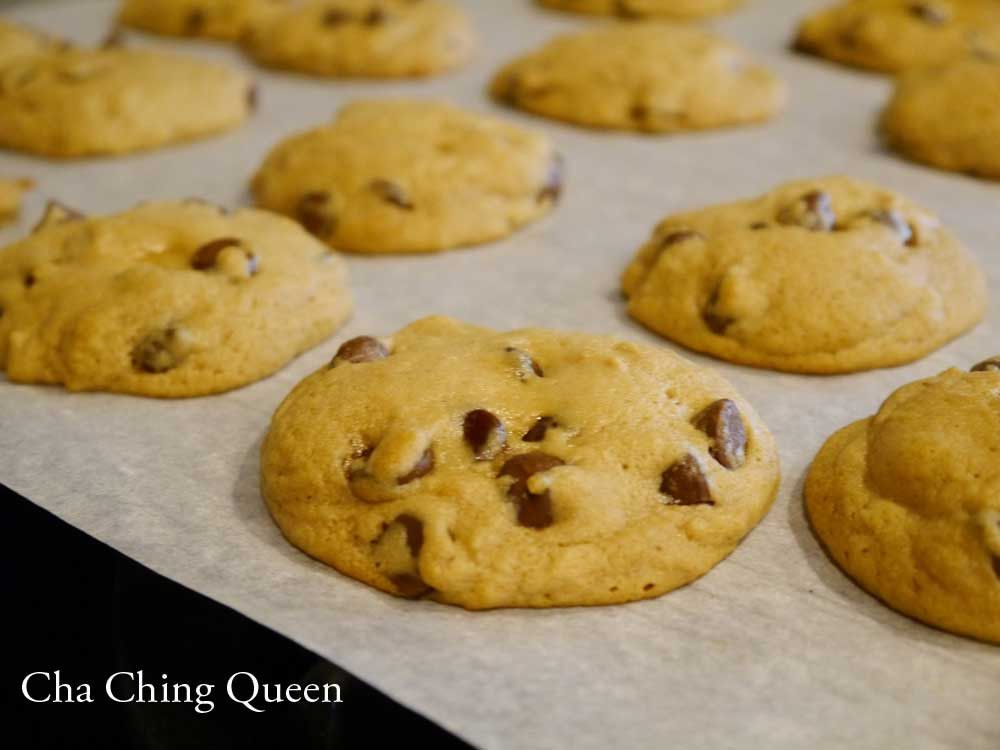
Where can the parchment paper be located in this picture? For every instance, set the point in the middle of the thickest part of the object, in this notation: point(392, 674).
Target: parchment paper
point(774, 648)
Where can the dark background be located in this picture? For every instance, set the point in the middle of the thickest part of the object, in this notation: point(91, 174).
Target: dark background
point(74, 604)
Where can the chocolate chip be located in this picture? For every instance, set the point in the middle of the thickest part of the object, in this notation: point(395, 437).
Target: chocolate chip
point(162, 350)
point(813, 211)
point(716, 323)
point(685, 484)
point(533, 510)
point(722, 422)
point(360, 349)
point(57, 213)
point(206, 256)
point(537, 432)
point(375, 17)
point(758, 225)
point(392, 193)
point(552, 188)
point(195, 21)
point(29, 280)
point(932, 13)
point(638, 112)
point(988, 365)
point(674, 238)
point(423, 467)
point(485, 434)
point(336, 17)
point(524, 363)
point(414, 528)
point(356, 464)
point(316, 214)
point(409, 585)
point(622, 8)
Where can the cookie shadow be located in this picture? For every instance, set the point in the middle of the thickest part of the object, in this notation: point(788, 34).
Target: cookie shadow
point(842, 590)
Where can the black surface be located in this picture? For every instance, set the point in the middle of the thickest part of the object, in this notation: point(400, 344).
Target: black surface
point(75, 605)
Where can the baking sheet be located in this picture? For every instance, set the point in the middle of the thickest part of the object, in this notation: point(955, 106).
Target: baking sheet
point(774, 647)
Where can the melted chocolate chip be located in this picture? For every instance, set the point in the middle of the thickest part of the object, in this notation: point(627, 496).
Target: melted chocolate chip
point(195, 21)
point(29, 280)
point(533, 510)
point(685, 484)
point(423, 467)
point(722, 422)
point(552, 188)
point(160, 351)
point(414, 528)
point(996, 566)
point(932, 13)
point(813, 211)
point(758, 225)
point(537, 432)
point(679, 236)
point(409, 585)
point(206, 256)
point(988, 365)
point(485, 434)
point(525, 364)
point(360, 349)
point(316, 214)
point(335, 17)
point(392, 193)
point(374, 17)
point(715, 322)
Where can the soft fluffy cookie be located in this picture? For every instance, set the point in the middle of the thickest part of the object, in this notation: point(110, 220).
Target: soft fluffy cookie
point(410, 176)
point(894, 35)
point(650, 76)
point(113, 101)
point(949, 116)
point(823, 276)
point(377, 38)
point(532, 468)
point(11, 190)
point(19, 41)
point(644, 8)
point(908, 502)
point(168, 299)
point(214, 19)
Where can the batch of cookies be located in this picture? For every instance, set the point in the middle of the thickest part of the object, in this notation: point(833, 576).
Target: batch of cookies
point(531, 468)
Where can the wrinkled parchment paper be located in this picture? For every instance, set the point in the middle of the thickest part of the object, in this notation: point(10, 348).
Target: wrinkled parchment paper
point(774, 648)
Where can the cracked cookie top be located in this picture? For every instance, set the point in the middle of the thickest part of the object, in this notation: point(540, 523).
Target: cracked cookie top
point(828, 275)
point(167, 299)
point(907, 502)
point(530, 468)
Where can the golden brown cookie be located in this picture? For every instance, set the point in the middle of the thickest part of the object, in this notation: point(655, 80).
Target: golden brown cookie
point(113, 101)
point(824, 276)
point(212, 19)
point(410, 176)
point(949, 116)
point(908, 502)
point(895, 35)
point(167, 299)
point(649, 76)
point(646, 8)
point(368, 38)
point(532, 468)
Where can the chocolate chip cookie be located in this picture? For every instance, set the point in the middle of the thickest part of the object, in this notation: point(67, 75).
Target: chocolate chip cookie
point(907, 502)
point(823, 276)
point(645, 8)
point(650, 76)
point(411, 176)
point(949, 116)
point(167, 299)
point(532, 468)
point(372, 38)
point(895, 35)
point(78, 102)
point(212, 19)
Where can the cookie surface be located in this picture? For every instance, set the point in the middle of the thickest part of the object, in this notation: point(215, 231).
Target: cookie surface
point(212, 19)
point(11, 191)
point(20, 41)
point(532, 468)
point(948, 116)
point(907, 502)
point(644, 8)
point(822, 276)
point(167, 299)
point(376, 38)
point(650, 76)
point(410, 176)
point(895, 35)
point(114, 101)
